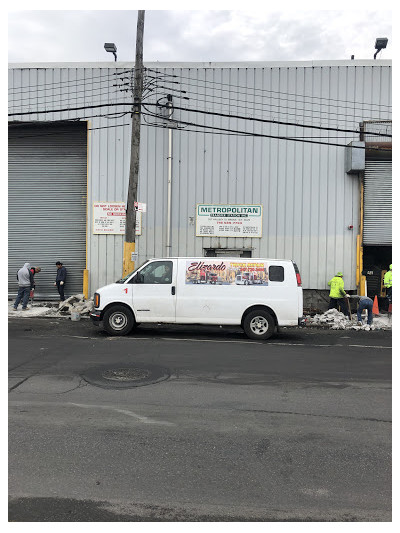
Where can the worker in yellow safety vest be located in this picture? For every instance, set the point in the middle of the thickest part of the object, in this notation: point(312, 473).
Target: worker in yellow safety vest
point(387, 282)
point(338, 294)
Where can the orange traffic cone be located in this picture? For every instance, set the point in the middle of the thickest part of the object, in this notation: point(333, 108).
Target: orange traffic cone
point(375, 308)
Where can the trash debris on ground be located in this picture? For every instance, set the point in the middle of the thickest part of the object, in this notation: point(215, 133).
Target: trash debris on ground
point(334, 319)
point(76, 304)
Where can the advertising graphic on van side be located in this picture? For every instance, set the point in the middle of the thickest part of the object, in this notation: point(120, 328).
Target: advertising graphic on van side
point(229, 220)
point(226, 273)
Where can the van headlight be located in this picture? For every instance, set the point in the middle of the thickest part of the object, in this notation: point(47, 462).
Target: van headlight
point(96, 299)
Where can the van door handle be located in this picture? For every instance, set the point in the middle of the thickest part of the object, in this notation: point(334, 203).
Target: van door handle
point(173, 290)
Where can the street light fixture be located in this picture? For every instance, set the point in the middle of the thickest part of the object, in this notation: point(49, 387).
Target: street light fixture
point(380, 43)
point(110, 47)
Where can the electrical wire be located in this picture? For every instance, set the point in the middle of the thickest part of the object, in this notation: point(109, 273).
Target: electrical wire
point(316, 115)
point(63, 84)
point(206, 130)
point(252, 119)
point(230, 85)
point(85, 81)
point(37, 112)
point(279, 137)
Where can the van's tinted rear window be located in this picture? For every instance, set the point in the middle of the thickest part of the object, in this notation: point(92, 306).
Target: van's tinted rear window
point(276, 273)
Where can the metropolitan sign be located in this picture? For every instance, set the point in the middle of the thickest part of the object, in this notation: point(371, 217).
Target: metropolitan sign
point(228, 220)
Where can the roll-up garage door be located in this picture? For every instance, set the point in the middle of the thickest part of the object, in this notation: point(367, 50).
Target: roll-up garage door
point(377, 227)
point(47, 204)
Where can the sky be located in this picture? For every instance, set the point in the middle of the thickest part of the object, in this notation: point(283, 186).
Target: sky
point(216, 35)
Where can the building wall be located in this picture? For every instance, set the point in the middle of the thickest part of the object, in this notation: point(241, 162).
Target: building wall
point(308, 199)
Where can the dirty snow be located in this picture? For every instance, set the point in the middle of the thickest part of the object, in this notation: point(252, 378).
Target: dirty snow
point(73, 304)
point(332, 318)
point(337, 320)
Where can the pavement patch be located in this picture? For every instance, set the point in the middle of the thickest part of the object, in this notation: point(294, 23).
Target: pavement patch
point(123, 376)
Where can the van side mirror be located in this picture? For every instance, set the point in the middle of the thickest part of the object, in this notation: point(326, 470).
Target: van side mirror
point(139, 278)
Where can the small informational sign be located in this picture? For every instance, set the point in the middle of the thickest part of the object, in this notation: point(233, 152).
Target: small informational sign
point(220, 272)
point(109, 218)
point(140, 206)
point(228, 220)
point(134, 256)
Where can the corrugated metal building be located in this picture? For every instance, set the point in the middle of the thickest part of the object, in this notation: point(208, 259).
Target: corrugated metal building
point(233, 130)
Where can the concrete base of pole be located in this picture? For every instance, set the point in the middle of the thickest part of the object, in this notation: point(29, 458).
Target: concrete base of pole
point(128, 264)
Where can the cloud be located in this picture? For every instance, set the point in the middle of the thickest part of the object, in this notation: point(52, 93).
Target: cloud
point(177, 36)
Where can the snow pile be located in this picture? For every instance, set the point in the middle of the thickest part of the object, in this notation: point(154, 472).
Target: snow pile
point(337, 320)
point(73, 304)
point(37, 310)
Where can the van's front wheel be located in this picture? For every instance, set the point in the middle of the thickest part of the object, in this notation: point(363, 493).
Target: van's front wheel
point(118, 320)
point(259, 324)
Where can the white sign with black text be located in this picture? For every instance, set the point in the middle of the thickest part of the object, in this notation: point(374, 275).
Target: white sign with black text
point(228, 220)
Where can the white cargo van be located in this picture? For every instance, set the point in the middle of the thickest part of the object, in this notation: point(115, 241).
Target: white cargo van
point(167, 290)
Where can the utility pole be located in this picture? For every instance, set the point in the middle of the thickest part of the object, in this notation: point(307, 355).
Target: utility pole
point(130, 227)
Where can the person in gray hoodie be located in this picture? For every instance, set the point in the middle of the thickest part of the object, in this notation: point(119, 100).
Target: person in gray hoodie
point(25, 284)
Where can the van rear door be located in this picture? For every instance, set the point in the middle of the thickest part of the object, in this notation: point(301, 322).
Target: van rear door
point(300, 310)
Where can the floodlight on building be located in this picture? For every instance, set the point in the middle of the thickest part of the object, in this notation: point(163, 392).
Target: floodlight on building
point(110, 47)
point(380, 44)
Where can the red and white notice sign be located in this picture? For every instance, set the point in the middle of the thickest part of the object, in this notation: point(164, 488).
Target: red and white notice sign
point(109, 218)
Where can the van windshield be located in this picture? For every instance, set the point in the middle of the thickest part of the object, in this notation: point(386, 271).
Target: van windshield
point(123, 280)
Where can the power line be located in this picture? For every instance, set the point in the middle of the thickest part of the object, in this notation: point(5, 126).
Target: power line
point(192, 80)
point(279, 137)
point(198, 111)
point(220, 131)
point(253, 119)
point(86, 96)
point(105, 77)
point(230, 104)
point(63, 84)
point(316, 115)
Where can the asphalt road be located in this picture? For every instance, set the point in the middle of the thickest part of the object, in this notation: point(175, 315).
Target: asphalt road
point(183, 423)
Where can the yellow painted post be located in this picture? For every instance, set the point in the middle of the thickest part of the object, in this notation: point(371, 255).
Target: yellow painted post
point(128, 264)
point(361, 279)
point(86, 271)
point(86, 283)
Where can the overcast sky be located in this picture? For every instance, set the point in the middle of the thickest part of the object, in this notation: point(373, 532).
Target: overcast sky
point(198, 35)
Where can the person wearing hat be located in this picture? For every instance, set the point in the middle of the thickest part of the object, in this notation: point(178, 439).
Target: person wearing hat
point(34, 271)
point(338, 294)
point(387, 282)
point(60, 279)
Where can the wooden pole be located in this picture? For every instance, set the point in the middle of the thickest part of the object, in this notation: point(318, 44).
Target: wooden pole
point(130, 234)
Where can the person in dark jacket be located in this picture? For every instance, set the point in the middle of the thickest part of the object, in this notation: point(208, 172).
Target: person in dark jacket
point(25, 284)
point(61, 278)
point(34, 271)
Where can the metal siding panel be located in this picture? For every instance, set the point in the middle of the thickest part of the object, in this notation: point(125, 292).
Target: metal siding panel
point(47, 204)
point(230, 169)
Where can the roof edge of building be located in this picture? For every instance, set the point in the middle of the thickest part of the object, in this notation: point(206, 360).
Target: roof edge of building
point(204, 65)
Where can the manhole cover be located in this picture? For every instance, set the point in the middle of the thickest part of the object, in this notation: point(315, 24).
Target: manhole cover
point(118, 377)
point(126, 374)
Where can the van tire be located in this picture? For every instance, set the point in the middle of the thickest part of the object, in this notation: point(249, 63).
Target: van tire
point(259, 324)
point(118, 320)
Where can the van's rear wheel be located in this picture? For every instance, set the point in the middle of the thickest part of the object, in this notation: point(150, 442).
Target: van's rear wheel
point(118, 320)
point(259, 324)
